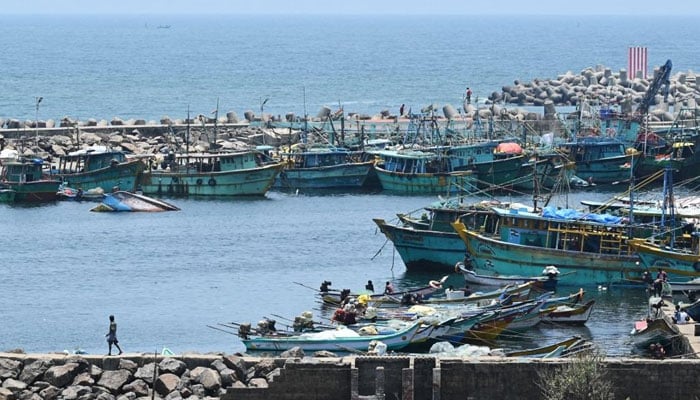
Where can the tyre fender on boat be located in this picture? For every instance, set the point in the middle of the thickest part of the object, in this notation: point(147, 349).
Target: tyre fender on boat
point(435, 284)
point(212, 182)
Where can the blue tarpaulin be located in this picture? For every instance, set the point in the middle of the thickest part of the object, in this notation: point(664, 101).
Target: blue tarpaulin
point(568, 213)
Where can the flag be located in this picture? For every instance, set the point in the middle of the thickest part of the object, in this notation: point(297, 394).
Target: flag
point(637, 61)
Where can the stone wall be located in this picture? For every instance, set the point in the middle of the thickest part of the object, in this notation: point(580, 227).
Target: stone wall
point(56, 376)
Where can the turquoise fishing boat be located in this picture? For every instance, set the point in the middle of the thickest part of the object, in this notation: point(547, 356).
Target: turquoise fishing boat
point(588, 249)
point(494, 163)
point(323, 168)
point(98, 167)
point(24, 180)
point(428, 243)
point(243, 173)
point(600, 160)
point(414, 172)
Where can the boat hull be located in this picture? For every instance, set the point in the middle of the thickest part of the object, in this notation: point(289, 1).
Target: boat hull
point(426, 184)
point(576, 268)
point(35, 191)
point(395, 341)
point(242, 182)
point(424, 250)
point(347, 176)
point(678, 265)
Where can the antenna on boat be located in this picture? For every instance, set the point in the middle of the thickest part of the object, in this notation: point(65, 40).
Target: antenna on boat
point(216, 119)
point(306, 117)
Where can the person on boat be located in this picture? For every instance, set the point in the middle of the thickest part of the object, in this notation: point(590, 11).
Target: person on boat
point(469, 96)
point(79, 194)
point(649, 281)
point(657, 350)
point(325, 285)
point(389, 288)
point(680, 317)
point(112, 336)
point(661, 277)
point(401, 109)
point(369, 286)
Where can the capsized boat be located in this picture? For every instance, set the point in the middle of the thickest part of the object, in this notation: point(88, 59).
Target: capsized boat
point(127, 201)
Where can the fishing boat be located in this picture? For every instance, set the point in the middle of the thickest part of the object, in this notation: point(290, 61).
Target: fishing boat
point(428, 243)
point(554, 350)
point(655, 328)
point(339, 339)
point(241, 173)
point(98, 167)
point(570, 315)
point(588, 249)
point(126, 201)
point(336, 297)
point(416, 172)
point(546, 281)
point(24, 180)
point(692, 285)
point(514, 318)
point(600, 160)
point(323, 167)
point(495, 163)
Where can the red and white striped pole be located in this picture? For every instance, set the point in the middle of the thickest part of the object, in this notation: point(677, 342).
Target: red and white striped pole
point(637, 61)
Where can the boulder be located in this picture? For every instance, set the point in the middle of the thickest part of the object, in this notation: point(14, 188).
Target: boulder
point(219, 365)
point(9, 368)
point(6, 394)
point(324, 354)
point(14, 385)
point(145, 373)
point(228, 377)
point(84, 379)
point(166, 383)
point(208, 377)
point(237, 364)
point(172, 366)
point(294, 352)
point(74, 392)
point(35, 370)
point(139, 387)
point(258, 383)
point(50, 392)
point(61, 375)
point(128, 365)
point(114, 380)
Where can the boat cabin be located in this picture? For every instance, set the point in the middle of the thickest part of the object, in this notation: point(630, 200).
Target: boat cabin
point(412, 162)
point(214, 162)
point(325, 157)
point(593, 149)
point(91, 159)
point(23, 170)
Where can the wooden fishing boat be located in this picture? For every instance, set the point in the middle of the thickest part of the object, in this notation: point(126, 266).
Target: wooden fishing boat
point(558, 349)
point(341, 339)
point(546, 281)
point(492, 326)
point(335, 297)
point(98, 167)
point(565, 314)
point(511, 293)
point(692, 285)
point(323, 168)
point(25, 181)
point(654, 330)
point(600, 160)
point(126, 201)
point(414, 172)
point(678, 262)
point(428, 242)
point(588, 249)
point(242, 173)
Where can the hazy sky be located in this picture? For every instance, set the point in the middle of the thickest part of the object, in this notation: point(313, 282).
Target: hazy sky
point(595, 7)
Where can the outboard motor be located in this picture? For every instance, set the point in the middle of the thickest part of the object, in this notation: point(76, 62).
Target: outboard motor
point(325, 286)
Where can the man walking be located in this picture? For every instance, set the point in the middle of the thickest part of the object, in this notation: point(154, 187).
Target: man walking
point(112, 336)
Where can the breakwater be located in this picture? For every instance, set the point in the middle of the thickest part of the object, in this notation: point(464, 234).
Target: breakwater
point(57, 376)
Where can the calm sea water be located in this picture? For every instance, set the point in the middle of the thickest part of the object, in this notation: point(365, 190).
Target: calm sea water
point(106, 66)
point(167, 276)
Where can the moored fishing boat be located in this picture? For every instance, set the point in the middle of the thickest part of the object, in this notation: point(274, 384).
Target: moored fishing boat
point(429, 243)
point(588, 249)
point(98, 167)
point(25, 181)
point(323, 168)
point(414, 172)
point(600, 160)
point(558, 349)
point(566, 314)
point(341, 339)
point(242, 173)
point(546, 281)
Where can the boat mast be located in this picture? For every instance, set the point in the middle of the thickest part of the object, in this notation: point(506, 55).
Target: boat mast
point(668, 202)
point(187, 137)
